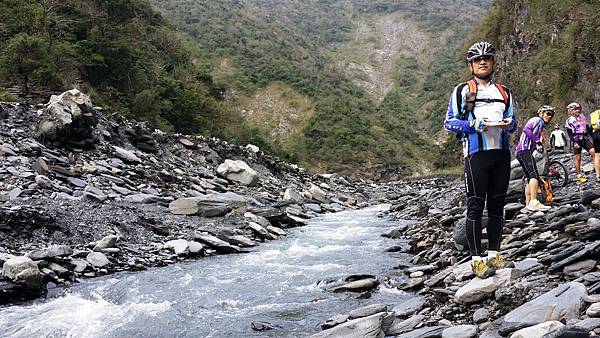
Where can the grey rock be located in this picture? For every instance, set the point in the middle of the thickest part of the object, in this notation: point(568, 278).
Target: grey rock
point(580, 268)
point(538, 330)
point(292, 195)
point(275, 230)
point(409, 307)
point(14, 265)
point(481, 315)
point(424, 332)
point(79, 265)
point(30, 277)
point(318, 194)
point(211, 205)
point(356, 286)
point(109, 241)
point(334, 321)
point(260, 231)
point(97, 259)
point(593, 310)
point(568, 331)
point(77, 182)
point(50, 252)
point(460, 331)
point(367, 310)
point(217, 244)
point(179, 246)
point(589, 324)
point(238, 171)
point(478, 289)
point(195, 247)
point(126, 155)
point(563, 302)
point(366, 327)
point(400, 326)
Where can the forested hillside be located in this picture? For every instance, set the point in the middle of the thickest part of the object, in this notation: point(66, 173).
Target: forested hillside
point(334, 53)
point(548, 51)
point(348, 85)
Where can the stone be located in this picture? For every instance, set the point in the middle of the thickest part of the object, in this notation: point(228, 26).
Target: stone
point(400, 326)
point(211, 205)
point(238, 240)
point(77, 182)
point(424, 332)
point(568, 331)
point(563, 302)
point(195, 247)
point(79, 265)
point(318, 194)
point(358, 285)
point(334, 321)
point(252, 148)
point(589, 324)
point(460, 331)
point(463, 271)
point(179, 246)
point(58, 269)
point(97, 259)
point(50, 252)
point(109, 241)
point(44, 182)
point(260, 231)
point(481, 315)
point(593, 310)
point(292, 195)
point(366, 327)
point(527, 264)
point(537, 331)
point(478, 289)
point(367, 310)
point(16, 264)
point(275, 230)
point(238, 171)
point(409, 307)
point(216, 243)
point(126, 155)
point(580, 268)
point(30, 277)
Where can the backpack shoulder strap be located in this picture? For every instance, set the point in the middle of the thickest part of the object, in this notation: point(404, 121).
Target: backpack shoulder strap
point(459, 99)
point(503, 92)
point(472, 86)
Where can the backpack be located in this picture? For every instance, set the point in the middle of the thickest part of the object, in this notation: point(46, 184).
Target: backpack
point(471, 98)
point(544, 193)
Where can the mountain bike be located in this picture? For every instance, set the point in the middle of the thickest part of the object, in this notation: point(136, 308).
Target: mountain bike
point(554, 170)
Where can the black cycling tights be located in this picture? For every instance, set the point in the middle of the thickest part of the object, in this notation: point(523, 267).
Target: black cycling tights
point(486, 177)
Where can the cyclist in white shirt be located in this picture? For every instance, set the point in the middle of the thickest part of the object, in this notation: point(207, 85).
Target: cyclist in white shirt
point(558, 139)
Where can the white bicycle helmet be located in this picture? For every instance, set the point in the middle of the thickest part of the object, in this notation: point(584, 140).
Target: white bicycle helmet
point(573, 105)
point(546, 108)
point(481, 48)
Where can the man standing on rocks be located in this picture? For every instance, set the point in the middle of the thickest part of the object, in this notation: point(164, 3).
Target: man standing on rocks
point(531, 139)
point(577, 128)
point(480, 112)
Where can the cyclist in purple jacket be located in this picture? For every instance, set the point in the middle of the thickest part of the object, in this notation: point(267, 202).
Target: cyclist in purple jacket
point(531, 139)
point(577, 128)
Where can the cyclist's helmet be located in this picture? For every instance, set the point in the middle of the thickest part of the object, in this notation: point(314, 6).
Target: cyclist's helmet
point(546, 108)
point(481, 48)
point(557, 126)
point(573, 105)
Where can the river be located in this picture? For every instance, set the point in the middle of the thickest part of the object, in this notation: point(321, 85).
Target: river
point(221, 296)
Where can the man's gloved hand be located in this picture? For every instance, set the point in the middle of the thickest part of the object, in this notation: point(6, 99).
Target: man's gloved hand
point(539, 147)
point(479, 125)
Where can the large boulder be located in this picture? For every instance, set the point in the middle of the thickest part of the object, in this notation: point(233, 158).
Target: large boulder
point(566, 301)
point(478, 289)
point(22, 270)
point(238, 171)
point(68, 117)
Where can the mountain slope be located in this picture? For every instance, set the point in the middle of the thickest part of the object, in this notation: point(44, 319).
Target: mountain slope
point(368, 67)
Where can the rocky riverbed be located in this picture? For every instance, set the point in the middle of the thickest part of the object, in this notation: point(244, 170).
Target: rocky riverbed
point(84, 193)
point(550, 290)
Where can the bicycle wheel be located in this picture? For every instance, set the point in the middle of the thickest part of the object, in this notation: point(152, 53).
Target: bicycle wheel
point(558, 174)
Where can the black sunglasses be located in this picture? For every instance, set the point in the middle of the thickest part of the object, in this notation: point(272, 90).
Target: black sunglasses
point(483, 58)
point(549, 113)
